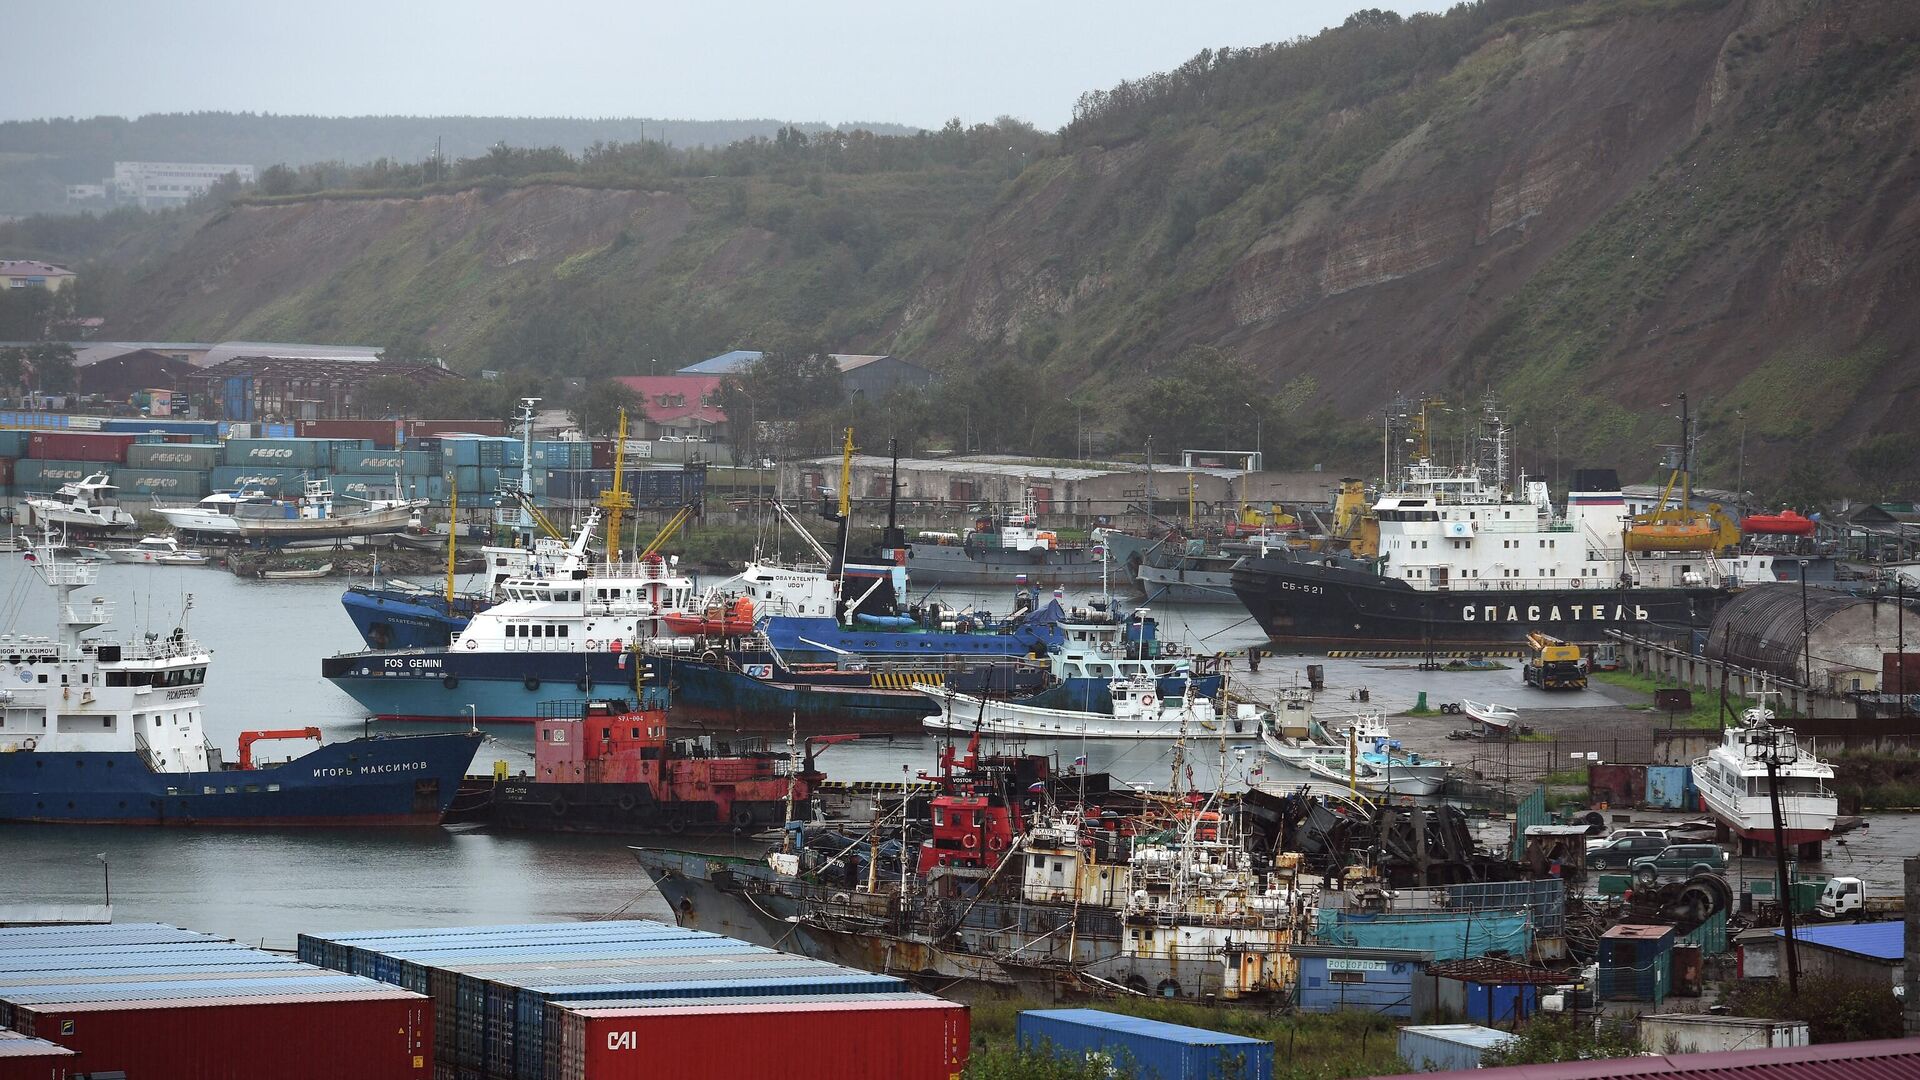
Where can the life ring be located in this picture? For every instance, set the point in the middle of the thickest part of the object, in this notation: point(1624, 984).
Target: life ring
point(710, 657)
point(531, 682)
point(450, 681)
point(742, 817)
point(969, 841)
point(31, 743)
point(626, 803)
point(558, 806)
point(592, 644)
point(584, 682)
point(676, 824)
point(472, 644)
point(1146, 700)
point(996, 842)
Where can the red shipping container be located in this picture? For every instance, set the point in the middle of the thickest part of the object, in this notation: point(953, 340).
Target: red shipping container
point(22, 1058)
point(6, 470)
point(380, 432)
point(603, 453)
point(894, 1039)
point(79, 446)
point(367, 1035)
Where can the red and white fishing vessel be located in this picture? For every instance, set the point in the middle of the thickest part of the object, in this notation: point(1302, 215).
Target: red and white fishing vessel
point(1734, 785)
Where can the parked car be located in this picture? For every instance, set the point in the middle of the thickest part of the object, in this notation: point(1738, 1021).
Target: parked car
point(1681, 860)
point(1619, 852)
point(1622, 834)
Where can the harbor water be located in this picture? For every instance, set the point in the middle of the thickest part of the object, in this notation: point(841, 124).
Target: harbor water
point(265, 886)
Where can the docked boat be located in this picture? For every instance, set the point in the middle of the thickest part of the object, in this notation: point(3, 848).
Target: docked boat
point(607, 766)
point(304, 573)
point(84, 505)
point(157, 551)
point(553, 638)
point(102, 732)
point(1312, 756)
point(1171, 899)
point(1379, 749)
point(1098, 647)
point(1138, 712)
point(1003, 550)
point(1465, 562)
point(1735, 787)
point(253, 515)
point(745, 685)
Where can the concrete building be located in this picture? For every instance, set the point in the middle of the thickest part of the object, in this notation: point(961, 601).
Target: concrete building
point(83, 193)
point(155, 185)
point(677, 405)
point(34, 274)
point(1874, 952)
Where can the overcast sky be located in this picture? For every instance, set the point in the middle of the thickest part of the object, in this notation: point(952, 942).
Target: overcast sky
point(828, 60)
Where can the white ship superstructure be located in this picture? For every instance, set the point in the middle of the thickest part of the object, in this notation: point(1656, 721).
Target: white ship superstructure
point(1735, 786)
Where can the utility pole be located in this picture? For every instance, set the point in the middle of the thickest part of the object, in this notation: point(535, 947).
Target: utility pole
point(1806, 640)
point(1774, 755)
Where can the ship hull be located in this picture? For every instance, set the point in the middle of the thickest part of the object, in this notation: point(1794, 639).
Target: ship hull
point(962, 713)
point(988, 952)
point(1313, 605)
point(399, 780)
point(1177, 585)
point(941, 564)
point(1806, 820)
point(284, 530)
point(393, 619)
point(717, 696)
point(503, 688)
point(631, 809)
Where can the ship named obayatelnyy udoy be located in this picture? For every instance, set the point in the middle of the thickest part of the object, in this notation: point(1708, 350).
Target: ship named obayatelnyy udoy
point(1465, 562)
point(98, 732)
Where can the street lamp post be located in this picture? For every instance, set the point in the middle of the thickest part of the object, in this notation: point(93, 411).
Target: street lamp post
point(1806, 638)
point(106, 876)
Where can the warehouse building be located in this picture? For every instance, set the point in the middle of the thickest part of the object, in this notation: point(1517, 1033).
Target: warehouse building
point(1873, 952)
point(1792, 633)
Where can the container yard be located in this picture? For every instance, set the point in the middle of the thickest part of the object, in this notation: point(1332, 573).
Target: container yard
point(142, 999)
point(615, 999)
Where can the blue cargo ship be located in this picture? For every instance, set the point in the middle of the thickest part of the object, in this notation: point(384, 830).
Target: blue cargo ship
point(100, 732)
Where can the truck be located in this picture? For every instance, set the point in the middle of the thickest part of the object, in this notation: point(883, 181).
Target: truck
point(1553, 664)
point(1847, 896)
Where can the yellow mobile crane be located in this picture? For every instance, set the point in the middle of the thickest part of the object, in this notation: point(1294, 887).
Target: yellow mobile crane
point(1553, 664)
point(617, 500)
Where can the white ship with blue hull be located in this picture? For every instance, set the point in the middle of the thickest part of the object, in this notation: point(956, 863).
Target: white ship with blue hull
point(555, 637)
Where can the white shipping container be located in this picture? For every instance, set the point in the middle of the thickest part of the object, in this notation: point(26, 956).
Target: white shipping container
point(1447, 1047)
point(1695, 1033)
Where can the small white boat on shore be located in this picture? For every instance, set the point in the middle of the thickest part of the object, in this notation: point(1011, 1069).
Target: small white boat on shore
point(298, 575)
point(86, 504)
point(157, 551)
point(1327, 764)
point(1499, 719)
point(1138, 713)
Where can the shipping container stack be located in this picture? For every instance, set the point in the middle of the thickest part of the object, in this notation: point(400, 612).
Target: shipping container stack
point(148, 1000)
point(25, 1058)
point(613, 1000)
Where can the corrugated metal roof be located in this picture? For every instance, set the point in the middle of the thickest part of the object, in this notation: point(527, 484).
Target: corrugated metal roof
point(1879, 940)
point(1155, 1029)
point(1631, 932)
point(1485, 1038)
point(1762, 627)
point(726, 363)
point(1890, 1059)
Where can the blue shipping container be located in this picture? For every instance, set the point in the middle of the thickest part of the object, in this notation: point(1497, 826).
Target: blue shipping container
point(1148, 1049)
point(365, 462)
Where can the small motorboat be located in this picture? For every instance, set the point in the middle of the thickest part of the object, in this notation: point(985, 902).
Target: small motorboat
point(1498, 719)
point(295, 575)
point(157, 551)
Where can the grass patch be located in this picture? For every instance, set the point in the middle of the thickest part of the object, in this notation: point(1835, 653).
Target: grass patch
point(1873, 781)
point(1418, 712)
point(1706, 712)
point(1306, 1046)
point(1567, 778)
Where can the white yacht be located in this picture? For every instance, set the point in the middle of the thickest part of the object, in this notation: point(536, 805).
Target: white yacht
point(1734, 785)
point(157, 551)
point(312, 515)
point(87, 504)
point(1139, 712)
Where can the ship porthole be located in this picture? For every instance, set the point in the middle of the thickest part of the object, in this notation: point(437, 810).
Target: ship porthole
point(450, 681)
point(531, 682)
point(626, 803)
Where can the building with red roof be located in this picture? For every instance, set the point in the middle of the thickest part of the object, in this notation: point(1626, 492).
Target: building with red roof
point(678, 404)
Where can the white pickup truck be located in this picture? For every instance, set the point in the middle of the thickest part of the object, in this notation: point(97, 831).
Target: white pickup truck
point(1847, 896)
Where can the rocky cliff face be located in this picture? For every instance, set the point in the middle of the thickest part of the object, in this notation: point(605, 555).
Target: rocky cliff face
point(1593, 208)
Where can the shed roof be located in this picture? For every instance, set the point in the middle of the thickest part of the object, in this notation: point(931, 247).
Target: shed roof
point(974, 467)
point(1492, 971)
point(1485, 1038)
point(34, 268)
point(1632, 932)
point(1885, 1059)
point(727, 363)
point(1158, 1029)
point(1878, 940)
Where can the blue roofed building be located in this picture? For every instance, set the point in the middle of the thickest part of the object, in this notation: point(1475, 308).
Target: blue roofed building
point(1874, 952)
point(727, 363)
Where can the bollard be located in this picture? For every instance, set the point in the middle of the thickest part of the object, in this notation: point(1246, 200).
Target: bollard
point(1421, 705)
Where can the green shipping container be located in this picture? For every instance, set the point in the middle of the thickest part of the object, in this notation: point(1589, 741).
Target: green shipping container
point(198, 456)
point(369, 462)
point(376, 486)
point(278, 453)
point(271, 481)
point(188, 485)
point(37, 474)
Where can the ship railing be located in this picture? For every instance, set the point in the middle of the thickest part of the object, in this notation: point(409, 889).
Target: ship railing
point(944, 663)
point(159, 648)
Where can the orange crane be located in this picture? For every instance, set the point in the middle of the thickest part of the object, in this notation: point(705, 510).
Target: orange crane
point(248, 738)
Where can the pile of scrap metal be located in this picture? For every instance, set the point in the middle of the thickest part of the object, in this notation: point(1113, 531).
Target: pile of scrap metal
point(1683, 905)
point(1405, 846)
